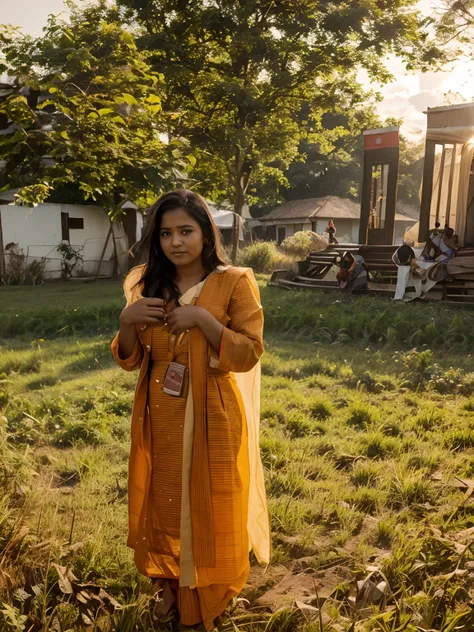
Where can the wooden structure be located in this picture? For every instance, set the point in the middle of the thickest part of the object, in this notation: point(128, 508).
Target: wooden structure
point(447, 198)
point(448, 179)
point(379, 186)
point(319, 273)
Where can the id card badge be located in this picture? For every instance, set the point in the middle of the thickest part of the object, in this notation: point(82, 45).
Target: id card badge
point(174, 379)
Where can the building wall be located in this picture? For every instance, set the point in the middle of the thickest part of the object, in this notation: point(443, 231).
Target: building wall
point(347, 229)
point(38, 231)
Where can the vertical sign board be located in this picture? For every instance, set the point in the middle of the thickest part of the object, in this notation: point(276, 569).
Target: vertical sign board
point(379, 186)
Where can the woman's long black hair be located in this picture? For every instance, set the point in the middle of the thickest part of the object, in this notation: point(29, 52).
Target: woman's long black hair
point(159, 272)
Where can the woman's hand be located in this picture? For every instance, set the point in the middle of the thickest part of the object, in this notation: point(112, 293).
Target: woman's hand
point(146, 311)
point(183, 318)
point(188, 316)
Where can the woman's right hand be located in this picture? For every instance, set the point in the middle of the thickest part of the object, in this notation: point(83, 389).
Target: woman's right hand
point(145, 311)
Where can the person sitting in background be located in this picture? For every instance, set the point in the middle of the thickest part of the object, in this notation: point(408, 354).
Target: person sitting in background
point(436, 230)
point(353, 272)
point(441, 247)
point(405, 256)
point(331, 231)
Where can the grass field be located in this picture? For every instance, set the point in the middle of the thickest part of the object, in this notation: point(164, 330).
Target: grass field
point(367, 446)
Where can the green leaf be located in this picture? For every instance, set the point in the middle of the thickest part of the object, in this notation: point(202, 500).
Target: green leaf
point(104, 111)
point(130, 99)
point(155, 109)
point(64, 135)
point(93, 115)
point(153, 98)
point(45, 103)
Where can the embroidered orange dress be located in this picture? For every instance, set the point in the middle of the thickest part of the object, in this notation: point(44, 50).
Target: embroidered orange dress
point(193, 533)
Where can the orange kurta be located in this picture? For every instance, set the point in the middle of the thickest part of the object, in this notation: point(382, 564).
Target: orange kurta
point(220, 455)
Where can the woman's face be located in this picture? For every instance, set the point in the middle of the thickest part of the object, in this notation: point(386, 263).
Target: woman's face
point(181, 237)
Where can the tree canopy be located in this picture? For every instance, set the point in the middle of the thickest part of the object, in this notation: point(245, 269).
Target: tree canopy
point(84, 113)
point(251, 82)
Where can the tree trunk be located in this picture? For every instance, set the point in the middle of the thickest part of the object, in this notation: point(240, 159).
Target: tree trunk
point(239, 201)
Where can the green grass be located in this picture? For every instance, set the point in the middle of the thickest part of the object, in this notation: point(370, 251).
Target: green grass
point(360, 461)
point(83, 309)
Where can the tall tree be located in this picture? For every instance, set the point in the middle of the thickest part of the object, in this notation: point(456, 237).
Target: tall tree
point(84, 113)
point(240, 71)
point(456, 26)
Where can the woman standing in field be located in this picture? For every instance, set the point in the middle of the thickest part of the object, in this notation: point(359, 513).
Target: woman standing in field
point(193, 327)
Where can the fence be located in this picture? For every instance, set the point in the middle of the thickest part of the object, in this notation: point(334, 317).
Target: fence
point(34, 268)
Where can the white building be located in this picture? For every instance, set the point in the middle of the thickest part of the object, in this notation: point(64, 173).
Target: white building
point(315, 213)
point(38, 231)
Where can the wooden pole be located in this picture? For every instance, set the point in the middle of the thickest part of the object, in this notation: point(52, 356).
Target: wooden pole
point(103, 251)
point(427, 190)
point(365, 201)
point(440, 184)
point(450, 185)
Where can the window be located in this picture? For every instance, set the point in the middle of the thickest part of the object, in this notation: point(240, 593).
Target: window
point(281, 234)
point(76, 223)
point(314, 225)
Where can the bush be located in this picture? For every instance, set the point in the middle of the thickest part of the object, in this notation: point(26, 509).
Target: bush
point(20, 272)
point(417, 367)
point(447, 381)
point(300, 244)
point(261, 256)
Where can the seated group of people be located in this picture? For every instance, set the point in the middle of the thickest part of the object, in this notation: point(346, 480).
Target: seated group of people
point(440, 248)
point(416, 276)
point(430, 268)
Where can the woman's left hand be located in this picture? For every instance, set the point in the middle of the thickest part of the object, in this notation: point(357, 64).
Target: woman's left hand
point(183, 318)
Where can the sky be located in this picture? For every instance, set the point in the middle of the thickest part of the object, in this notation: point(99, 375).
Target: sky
point(407, 97)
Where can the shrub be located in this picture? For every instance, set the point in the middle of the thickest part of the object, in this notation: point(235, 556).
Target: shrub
point(298, 245)
point(261, 256)
point(466, 386)
point(20, 272)
point(70, 259)
point(416, 367)
point(447, 381)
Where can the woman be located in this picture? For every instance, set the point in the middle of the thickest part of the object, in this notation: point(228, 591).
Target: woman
point(196, 493)
point(353, 273)
point(331, 230)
